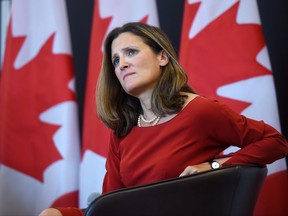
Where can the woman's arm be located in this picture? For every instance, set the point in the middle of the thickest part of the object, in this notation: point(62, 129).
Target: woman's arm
point(69, 211)
point(259, 142)
point(112, 179)
point(189, 170)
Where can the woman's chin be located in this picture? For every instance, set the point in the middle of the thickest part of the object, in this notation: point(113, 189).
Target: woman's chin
point(132, 90)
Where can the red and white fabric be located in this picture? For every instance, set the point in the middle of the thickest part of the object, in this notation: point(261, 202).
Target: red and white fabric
point(39, 135)
point(224, 51)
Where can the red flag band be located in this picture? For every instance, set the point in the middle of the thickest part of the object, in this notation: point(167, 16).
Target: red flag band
point(39, 142)
point(224, 52)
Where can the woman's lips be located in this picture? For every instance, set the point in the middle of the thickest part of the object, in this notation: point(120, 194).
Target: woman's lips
point(128, 74)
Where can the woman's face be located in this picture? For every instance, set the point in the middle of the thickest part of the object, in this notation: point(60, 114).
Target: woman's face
point(137, 67)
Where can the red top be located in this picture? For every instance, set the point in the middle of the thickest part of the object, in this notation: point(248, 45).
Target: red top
point(199, 133)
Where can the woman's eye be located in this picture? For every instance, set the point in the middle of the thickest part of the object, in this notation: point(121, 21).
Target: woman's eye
point(131, 52)
point(115, 62)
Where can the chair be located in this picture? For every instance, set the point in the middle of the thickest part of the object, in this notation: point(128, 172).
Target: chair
point(231, 190)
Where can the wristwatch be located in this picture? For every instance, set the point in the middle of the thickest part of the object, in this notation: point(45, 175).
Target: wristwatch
point(214, 164)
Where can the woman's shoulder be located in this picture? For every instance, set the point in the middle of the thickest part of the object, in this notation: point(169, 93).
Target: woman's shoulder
point(199, 104)
point(195, 100)
point(190, 97)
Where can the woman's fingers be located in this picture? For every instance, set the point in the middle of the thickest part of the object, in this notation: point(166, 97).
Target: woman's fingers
point(189, 171)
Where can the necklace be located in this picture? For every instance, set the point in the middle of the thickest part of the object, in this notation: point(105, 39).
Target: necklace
point(154, 121)
point(148, 121)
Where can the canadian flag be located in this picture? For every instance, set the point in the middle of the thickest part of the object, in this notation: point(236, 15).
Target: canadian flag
point(108, 14)
point(224, 52)
point(39, 141)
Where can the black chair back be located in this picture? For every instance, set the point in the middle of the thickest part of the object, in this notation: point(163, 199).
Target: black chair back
point(231, 190)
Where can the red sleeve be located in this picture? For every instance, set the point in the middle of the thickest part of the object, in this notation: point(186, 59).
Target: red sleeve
point(112, 179)
point(70, 211)
point(259, 143)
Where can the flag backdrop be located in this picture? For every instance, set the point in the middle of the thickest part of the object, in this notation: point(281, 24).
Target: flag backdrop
point(39, 142)
point(222, 48)
point(108, 14)
point(224, 52)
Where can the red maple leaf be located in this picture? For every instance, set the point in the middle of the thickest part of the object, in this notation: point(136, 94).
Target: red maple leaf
point(26, 142)
point(223, 52)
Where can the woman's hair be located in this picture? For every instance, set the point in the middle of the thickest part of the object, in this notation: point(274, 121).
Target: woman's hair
point(119, 110)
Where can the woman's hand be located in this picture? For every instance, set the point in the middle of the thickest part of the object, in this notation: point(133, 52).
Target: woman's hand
point(50, 212)
point(189, 170)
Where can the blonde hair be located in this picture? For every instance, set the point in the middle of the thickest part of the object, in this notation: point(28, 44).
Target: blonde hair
point(118, 110)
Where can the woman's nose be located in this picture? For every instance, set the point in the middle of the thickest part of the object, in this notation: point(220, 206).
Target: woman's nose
point(123, 64)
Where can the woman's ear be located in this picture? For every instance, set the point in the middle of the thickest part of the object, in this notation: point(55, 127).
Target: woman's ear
point(164, 58)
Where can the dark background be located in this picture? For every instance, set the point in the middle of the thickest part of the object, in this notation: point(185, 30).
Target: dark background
point(273, 14)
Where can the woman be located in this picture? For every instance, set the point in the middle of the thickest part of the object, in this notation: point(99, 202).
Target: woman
point(161, 127)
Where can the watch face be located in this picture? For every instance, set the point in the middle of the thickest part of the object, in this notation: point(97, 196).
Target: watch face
point(215, 165)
